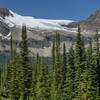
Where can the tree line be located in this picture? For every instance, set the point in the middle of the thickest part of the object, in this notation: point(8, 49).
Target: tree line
point(73, 75)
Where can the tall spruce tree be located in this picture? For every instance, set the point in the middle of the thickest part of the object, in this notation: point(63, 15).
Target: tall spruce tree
point(15, 94)
point(91, 69)
point(64, 64)
point(83, 53)
point(89, 54)
point(9, 68)
point(35, 74)
point(70, 76)
point(53, 55)
point(43, 92)
point(97, 61)
point(70, 81)
point(25, 64)
point(8, 75)
point(78, 63)
point(64, 71)
point(51, 72)
point(12, 74)
point(86, 85)
point(57, 73)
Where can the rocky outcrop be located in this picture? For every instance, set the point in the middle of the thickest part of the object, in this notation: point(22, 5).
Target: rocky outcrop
point(4, 29)
point(4, 12)
point(92, 23)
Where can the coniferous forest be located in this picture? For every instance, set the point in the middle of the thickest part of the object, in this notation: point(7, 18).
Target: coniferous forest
point(71, 75)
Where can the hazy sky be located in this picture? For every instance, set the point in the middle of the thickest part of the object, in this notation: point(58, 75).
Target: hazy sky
point(53, 9)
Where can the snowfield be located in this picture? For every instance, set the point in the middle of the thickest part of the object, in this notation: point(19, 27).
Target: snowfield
point(31, 22)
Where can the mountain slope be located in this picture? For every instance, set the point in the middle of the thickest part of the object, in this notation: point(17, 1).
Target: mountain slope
point(90, 25)
point(41, 32)
point(31, 22)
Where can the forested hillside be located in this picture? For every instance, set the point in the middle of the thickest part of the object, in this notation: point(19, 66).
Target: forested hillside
point(73, 75)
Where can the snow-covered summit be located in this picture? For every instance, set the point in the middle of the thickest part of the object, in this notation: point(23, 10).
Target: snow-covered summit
point(31, 22)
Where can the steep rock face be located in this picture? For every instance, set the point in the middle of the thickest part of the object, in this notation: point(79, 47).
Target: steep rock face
point(94, 16)
point(42, 32)
point(4, 12)
point(4, 29)
point(91, 24)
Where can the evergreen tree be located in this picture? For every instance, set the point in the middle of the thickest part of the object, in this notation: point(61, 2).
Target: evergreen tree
point(12, 79)
point(85, 86)
point(43, 92)
point(96, 63)
point(9, 68)
point(83, 54)
point(25, 64)
point(89, 54)
point(78, 63)
point(88, 76)
point(15, 94)
point(64, 64)
point(97, 94)
point(57, 73)
point(8, 76)
point(71, 73)
point(64, 71)
point(53, 55)
point(91, 69)
point(97, 57)
point(35, 74)
point(68, 87)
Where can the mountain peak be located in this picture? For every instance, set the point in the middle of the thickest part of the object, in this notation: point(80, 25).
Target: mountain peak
point(95, 15)
point(5, 12)
point(13, 19)
point(92, 23)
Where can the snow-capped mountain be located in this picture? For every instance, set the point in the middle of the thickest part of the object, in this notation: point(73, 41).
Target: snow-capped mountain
point(31, 22)
point(41, 32)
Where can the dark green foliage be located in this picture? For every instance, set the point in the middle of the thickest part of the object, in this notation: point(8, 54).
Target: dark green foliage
point(53, 54)
point(91, 70)
point(35, 73)
point(12, 75)
point(73, 75)
point(97, 57)
point(9, 69)
point(8, 76)
point(64, 71)
point(25, 64)
point(78, 62)
point(57, 73)
point(43, 92)
point(97, 94)
point(64, 64)
point(15, 94)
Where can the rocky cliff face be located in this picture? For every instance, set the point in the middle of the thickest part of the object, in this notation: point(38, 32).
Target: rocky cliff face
point(41, 32)
point(91, 24)
point(4, 12)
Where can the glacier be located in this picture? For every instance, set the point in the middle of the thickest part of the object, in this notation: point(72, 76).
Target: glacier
point(31, 22)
